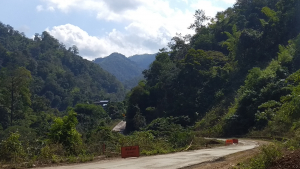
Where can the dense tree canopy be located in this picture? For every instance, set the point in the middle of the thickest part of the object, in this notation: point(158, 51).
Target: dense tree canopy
point(225, 75)
point(40, 79)
point(59, 75)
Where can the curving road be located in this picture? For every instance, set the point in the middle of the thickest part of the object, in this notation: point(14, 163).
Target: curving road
point(167, 161)
point(120, 127)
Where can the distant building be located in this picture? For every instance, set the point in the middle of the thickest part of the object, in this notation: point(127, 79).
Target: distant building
point(102, 103)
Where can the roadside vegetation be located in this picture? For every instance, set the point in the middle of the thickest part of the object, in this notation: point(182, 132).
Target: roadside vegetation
point(64, 144)
point(238, 75)
point(268, 154)
point(281, 154)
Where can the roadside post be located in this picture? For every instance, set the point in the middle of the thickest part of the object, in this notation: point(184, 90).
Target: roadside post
point(103, 148)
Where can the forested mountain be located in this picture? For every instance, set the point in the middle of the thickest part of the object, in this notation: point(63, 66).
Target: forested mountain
point(143, 61)
point(238, 74)
point(120, 66)
point(128, 71)
point(57, 77)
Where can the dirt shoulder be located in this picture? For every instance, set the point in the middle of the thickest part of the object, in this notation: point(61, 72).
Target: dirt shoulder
point(290, 160)
point(229, 161)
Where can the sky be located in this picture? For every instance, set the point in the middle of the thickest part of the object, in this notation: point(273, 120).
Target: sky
point(101, 27)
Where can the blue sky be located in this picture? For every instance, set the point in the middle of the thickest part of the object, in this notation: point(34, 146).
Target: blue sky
point(100, 27)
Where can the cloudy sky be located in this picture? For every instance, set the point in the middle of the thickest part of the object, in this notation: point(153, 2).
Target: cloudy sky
point(100, 27)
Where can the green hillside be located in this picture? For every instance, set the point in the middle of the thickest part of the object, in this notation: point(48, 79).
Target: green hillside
point(125, 70)
point(239, 74)
point(143, 61)
point(60, 77)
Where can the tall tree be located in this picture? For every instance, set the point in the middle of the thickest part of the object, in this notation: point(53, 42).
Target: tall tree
point(15, 91)
point(232, 40)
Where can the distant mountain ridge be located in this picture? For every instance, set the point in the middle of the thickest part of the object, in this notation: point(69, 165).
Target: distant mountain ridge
point(120, 66)
point(127, 70)
point(144, 60)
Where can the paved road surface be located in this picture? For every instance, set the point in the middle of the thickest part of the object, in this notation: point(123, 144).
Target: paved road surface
point(167, 161)
point(120, 127)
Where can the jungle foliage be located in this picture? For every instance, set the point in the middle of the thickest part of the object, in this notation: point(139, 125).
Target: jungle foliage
point(237, 74)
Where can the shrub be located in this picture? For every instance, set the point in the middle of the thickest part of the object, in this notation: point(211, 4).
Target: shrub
point(269, 153)
point(51, 151)
point(64, 131)
point(100, 136)
point(12, 149)
point(181, 139)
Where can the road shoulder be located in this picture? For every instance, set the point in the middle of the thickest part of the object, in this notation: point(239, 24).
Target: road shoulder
point(229, 161)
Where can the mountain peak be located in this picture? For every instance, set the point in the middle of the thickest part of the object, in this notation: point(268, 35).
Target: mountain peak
point(127, 70)
point(116, 54)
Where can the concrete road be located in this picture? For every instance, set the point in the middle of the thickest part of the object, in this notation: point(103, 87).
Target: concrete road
point(120, 127)
point(167, 161)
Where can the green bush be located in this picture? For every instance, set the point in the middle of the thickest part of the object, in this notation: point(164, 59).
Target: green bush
point(51, 151)
point(269, 153)
point(164, 127)
point(181, 139)
point(64, 132)
point(89, 116)
point(102, 135)
point(12, 149)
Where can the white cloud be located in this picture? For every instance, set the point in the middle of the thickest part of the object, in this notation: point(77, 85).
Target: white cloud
point(39, 8)
point(70, 35)
point(149, 25)
point(231, 2)
point(95, 5)
point(186, 1)
point(50, 8)
point(152, 14)
point(91, 47)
